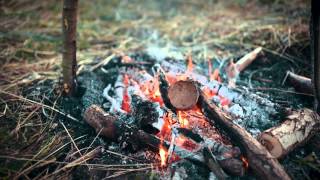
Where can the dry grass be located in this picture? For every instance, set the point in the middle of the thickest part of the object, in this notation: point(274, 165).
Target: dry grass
point(34, 143)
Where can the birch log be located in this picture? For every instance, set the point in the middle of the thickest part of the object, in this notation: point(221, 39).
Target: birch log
point(295, 131)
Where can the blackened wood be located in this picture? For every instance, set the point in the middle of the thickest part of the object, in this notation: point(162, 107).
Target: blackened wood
point(300, 83)
point(260, 160)
point(69, 60)
point(164, 87)
point(110, 126)
point(315, 50)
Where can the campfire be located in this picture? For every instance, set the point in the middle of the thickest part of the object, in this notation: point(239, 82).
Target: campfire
point(180, 110)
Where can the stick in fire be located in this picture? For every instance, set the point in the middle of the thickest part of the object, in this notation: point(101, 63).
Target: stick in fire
point(115, 129)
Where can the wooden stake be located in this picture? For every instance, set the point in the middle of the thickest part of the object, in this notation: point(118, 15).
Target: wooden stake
point(69, 59)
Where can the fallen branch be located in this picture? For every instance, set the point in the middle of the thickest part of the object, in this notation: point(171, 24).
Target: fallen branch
point(113, 128)
point(299, 128)
point(300, 83)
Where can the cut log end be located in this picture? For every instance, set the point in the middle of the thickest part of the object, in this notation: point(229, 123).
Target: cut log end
point(299, 127)
point(272, 144)
point(183, 95)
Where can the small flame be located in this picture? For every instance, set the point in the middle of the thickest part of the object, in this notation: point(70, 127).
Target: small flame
point(163, 154)
point(245, 162)
point(190, 64)
point(126, 99)
point(182, 120)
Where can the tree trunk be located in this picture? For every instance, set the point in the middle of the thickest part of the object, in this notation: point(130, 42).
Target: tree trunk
point(294, 132)
point(315, 50)
point(69, 59)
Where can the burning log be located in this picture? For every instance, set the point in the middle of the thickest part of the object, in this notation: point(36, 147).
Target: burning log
point(260, 160)
point(299, 127)
point(183, 95)
point(113, 128)
point(300, 83)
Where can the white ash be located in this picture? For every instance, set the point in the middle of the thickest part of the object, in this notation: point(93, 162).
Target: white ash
point(236, 111)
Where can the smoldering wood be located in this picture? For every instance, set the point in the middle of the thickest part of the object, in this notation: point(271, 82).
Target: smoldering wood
point(260, 160)
point(183, 95)
point(69, 59)
point(299, 127)
point(300, 83)
point(115, 129)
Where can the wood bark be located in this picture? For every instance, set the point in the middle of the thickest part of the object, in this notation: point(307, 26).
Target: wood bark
point(69, 60)
point(299, 127)
point(113, 128)
point(315, 50)
point(183, 95)
point(300, 83)
point(260, 160)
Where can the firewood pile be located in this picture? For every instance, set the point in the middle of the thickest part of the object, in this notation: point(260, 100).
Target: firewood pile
point(177, 110)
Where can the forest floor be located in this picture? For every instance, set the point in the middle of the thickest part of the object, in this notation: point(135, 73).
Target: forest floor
point(30, 58)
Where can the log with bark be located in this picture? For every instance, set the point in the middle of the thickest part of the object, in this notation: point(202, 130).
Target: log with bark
point(260, 160)
point(299, 127)
point(300, 83)
point(112, 127)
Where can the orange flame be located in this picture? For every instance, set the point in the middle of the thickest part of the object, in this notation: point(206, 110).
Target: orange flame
point(163, 155)
point(182, 120)
point(190, 64)
point(126, 99)
point(245, 162)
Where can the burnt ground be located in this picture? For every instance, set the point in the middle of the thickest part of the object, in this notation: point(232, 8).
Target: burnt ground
point(37, 139)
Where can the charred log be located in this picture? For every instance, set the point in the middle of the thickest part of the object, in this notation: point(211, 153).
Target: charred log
point(299, 128)
point(113, 128)
point(164, 88)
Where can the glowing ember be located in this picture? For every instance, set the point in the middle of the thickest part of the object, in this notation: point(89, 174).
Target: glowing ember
point(126, 59)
